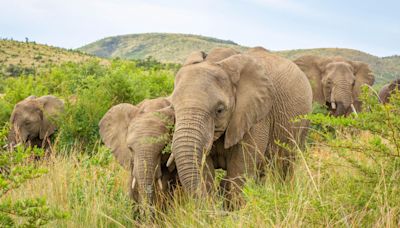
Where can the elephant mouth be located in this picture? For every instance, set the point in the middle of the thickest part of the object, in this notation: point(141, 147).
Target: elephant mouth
point(331, 106)
point(217, 134)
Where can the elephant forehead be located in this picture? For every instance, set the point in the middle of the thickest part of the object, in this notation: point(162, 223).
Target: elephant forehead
point(339, 66)
point(200, 72)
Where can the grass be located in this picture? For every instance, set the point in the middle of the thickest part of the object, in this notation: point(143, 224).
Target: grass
point(327, 190)
point(28, 57)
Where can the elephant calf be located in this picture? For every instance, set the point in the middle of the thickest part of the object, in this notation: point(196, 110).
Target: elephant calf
point(32, 120)
point(137, 136)
point(387, 90)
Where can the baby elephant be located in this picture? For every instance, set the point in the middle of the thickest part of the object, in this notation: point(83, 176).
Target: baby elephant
point(137, 135)
point(387, 90)
point(32, 120)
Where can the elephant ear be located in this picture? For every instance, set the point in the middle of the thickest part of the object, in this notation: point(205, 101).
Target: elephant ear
point(363, 75)
point(113, 129)
point(195, 57)
point(313, 67)
point(31, 97)
point(51, 108)
point(394, 84)
point(220, 53)
point(254, 95)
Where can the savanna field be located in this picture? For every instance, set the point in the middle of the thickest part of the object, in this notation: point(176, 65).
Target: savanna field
point(347, 175)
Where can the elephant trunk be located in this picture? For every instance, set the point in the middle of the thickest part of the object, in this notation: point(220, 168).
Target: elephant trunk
point(193, 135)
point(145, 174)
point(342, 97)
point(11, 137)
point(17, 135)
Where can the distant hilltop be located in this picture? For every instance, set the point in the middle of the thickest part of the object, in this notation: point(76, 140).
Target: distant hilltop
point(172, 47)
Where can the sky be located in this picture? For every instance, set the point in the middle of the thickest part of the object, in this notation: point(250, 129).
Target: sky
point(368, 25)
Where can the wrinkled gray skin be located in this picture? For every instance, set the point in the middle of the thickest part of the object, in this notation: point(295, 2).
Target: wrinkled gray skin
point(230, 112)
point(387, 90)
point(133, 133)
point(336, 82)
point(32, 120)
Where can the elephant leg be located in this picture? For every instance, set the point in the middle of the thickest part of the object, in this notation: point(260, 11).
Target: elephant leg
point(245, 160)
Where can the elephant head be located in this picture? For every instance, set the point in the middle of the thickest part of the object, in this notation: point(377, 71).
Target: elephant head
point(385, 92)
point(32, 119)
point(336, 82)
point(137, 136)
point(212, 100)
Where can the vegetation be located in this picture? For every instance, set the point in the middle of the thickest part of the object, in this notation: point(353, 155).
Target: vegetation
point(348, 175)
point(164, 47)
point(89, 90)
point(16, 168)
point(18, 58)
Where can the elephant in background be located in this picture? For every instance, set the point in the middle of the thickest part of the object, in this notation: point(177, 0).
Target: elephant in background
point(230, 114)
point(336, 82)
point(32, 120)
point(387, 90)
point(137, 136)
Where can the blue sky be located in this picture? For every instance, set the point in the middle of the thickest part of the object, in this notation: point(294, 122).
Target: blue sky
point(370, 26)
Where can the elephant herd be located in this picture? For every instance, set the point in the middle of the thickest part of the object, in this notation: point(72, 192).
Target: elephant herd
point(228, 110)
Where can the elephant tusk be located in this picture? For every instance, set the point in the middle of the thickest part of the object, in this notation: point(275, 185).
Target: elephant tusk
point(170, 159)
point(333, 104)
point(160, 184)
point(133, 183)
point(353, 109)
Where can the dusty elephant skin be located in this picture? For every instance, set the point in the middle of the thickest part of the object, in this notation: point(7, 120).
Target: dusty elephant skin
point(230, 113)
point(336, 82)
point(137, 136)
point(32, 120)
point(387, 90)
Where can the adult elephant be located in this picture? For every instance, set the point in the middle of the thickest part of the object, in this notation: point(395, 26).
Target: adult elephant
point(387, 90)
point(230, 114)
point(137, 136)
point(33, 120)
point(336, 82)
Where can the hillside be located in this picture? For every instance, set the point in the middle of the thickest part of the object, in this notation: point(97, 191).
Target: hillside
point(17, 57)
point(166, 47)
point(162, 46)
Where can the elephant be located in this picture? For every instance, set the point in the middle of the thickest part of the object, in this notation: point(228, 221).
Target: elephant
point(336, 82)
point(231, 113)
point(137, 136)
point(33, 120)
point(387, 90)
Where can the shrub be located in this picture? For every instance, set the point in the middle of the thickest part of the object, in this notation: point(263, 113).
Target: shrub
point(95, 88)
point(16, 167)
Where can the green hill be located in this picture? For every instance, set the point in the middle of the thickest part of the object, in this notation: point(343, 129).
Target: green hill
point(162, 46)
point(167, 47)
point(18, 57)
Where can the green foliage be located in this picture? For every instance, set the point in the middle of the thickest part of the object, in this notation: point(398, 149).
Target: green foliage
point(368, 146)
point(89, 90)
point(16, 168)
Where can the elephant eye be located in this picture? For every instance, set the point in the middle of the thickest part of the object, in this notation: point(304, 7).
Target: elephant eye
point(220, 109)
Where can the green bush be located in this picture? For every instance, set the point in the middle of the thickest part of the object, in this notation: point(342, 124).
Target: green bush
point(16, 168)
point(89, 90)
